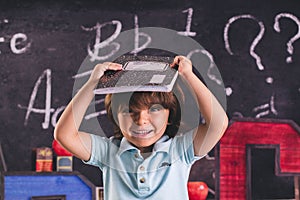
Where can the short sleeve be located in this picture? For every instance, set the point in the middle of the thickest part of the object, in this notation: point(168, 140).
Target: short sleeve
point(99, 150)
point(183, 145)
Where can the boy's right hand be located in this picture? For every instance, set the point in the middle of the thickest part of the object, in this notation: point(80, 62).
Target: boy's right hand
point(99, 70)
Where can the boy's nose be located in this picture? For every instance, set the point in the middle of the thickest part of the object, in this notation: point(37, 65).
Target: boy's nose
point(142, 117)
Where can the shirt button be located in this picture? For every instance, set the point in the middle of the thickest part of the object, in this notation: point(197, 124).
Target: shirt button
point(142, 168)
point(142, 180)
point(136, 155)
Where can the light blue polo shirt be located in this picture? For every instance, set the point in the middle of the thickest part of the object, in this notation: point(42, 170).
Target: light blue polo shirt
point(128, 175)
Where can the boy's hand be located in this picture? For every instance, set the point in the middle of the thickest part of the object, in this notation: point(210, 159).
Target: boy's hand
point(184, 65)
point(99, 70)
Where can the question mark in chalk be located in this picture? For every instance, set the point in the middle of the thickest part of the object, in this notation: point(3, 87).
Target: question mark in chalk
point(290, 47)
point(211, 65)
point(255, 41)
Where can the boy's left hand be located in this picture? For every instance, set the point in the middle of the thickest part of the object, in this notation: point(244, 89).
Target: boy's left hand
point(184, 64)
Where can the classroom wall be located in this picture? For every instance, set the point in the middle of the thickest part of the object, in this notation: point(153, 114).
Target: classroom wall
point(253, 44)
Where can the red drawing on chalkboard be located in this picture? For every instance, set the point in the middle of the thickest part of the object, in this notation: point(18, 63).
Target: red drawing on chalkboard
point(233, 176)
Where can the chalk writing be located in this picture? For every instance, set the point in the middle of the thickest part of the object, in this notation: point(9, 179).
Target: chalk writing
point(255, 41)
point(101, 44)
point(95, 53)
point(289, 45)
point(98, 44)
point(269, 106)
point(187, 31)
point(137, 36)
point(14, 43)
point(95, 114)
point(211, 65)
point(48, 109)
point(228, 91)
point(4, 21)
point(83, 74)
point(2, 39)
point(208, 157)
point(269, 80)
point(211, 190)
point(237, 114)
point(54, 118)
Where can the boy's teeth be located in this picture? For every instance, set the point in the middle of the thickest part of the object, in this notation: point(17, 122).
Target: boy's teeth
point(142, 132)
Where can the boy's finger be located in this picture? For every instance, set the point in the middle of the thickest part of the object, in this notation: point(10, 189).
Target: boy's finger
point(112, 66)
point(175, 62)
point(115, 66)
point(179, 59)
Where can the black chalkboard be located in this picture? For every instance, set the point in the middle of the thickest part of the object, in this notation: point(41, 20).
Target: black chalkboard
point(43, 45)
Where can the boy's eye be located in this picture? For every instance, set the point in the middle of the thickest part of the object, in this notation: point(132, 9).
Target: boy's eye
point(156, 108)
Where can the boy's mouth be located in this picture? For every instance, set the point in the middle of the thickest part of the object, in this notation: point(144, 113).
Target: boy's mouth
point(141, 133)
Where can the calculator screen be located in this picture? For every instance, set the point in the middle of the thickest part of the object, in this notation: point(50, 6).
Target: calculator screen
point(146, 66)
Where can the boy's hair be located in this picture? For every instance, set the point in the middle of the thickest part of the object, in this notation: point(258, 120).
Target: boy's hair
point(144, 100)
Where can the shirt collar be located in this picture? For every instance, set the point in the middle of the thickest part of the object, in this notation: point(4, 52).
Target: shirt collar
point(125, 146)
point(161, 145)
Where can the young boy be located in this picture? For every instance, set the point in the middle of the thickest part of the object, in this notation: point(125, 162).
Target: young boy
point(145, 159)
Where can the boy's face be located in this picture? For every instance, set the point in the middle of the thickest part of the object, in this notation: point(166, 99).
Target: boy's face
point(143, 127)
